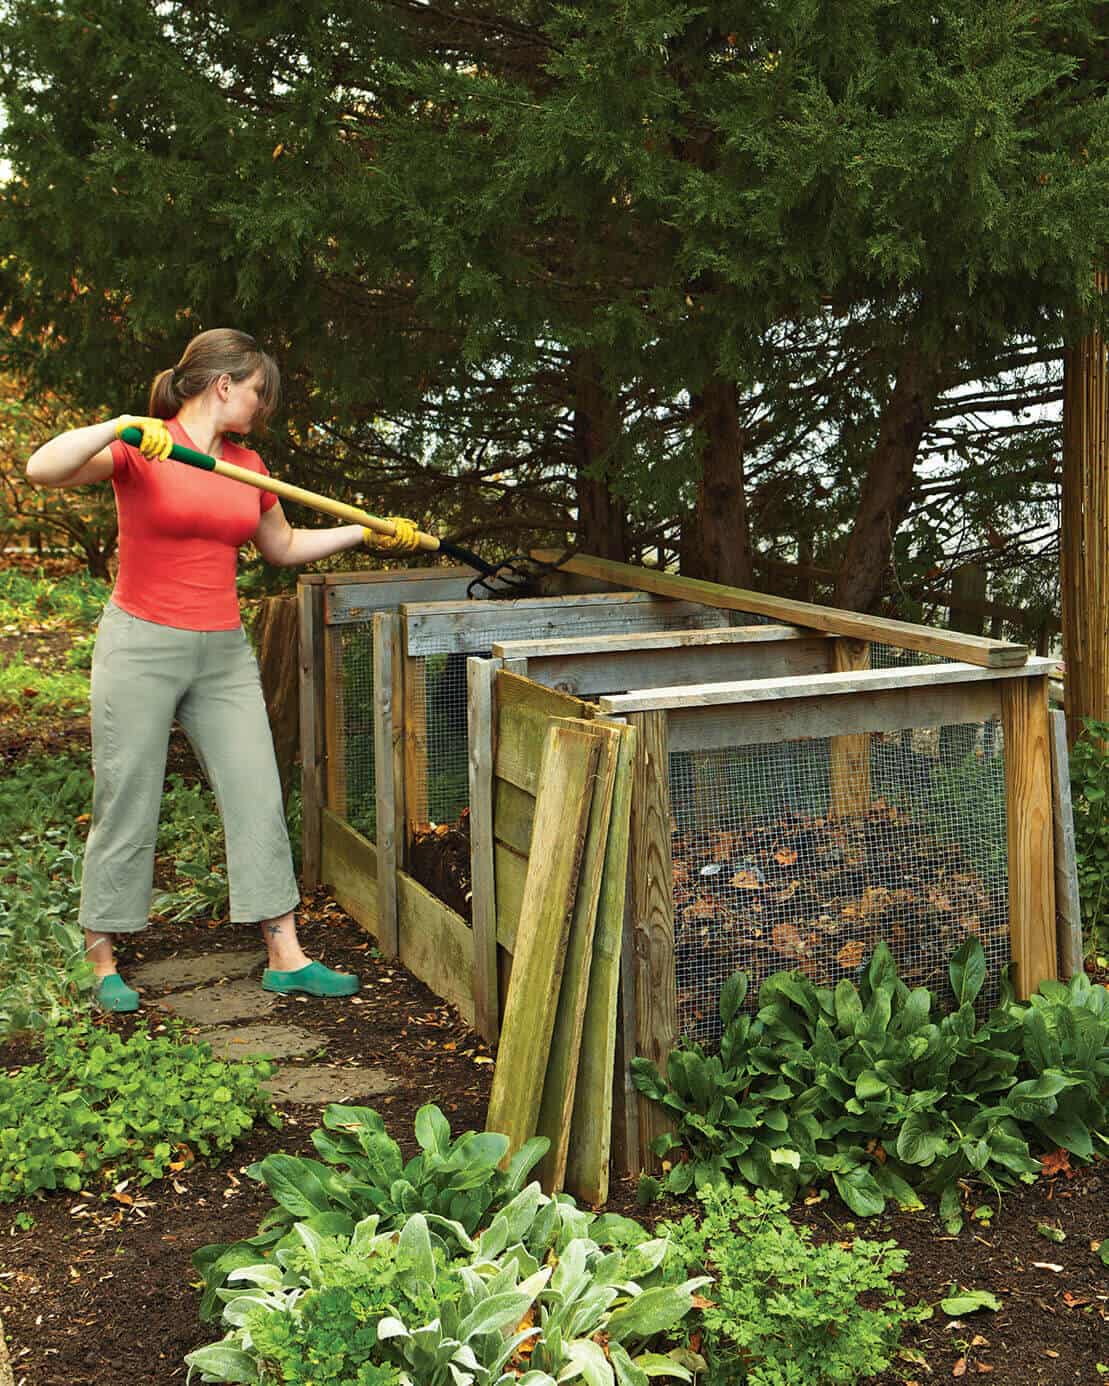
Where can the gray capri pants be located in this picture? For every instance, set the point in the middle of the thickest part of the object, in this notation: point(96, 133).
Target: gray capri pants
point(143, 676)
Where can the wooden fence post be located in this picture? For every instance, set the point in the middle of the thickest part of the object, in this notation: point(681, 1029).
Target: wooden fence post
point(386, 786)
point(310, 608)
point(849, 756)
point(652, 890)
point(415, 745)
point(481, 677)
point(1068, 904)
point(1024, 719)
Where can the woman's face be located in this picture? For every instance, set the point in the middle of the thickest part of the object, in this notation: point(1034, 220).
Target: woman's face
point(242, 403)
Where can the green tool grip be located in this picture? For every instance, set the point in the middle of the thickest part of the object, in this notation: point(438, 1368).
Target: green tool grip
point(177, 452)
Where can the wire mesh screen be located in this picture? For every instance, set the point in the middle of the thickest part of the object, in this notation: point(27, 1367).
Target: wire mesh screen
point(437, 725)
point(349, 729)
point(804, 854)
point(892, 657)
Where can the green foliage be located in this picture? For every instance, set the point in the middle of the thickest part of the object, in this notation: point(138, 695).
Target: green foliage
point(1089, 777)
point(784, 1312)
point(34, 598)
point(98, 1108)
point(38, 693)
point(42, 955)
point(362, 1171)
point(529, 1299)
point(864, 1088)
point(190, 834)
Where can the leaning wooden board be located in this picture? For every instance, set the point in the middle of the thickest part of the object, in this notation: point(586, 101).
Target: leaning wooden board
point(974, 649)
point(562, 809)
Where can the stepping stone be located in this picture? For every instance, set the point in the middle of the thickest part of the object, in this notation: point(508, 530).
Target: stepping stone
point(216, 1005)
point(317, 1083)
point(175, 973)
point(272, 1041)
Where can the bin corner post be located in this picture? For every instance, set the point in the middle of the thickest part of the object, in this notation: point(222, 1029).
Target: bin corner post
point(849, 756)
point(1024, 717)
point(310, 611)
point(1068, 903)
point(388, 784)
point(652, 889)
point(481, 677)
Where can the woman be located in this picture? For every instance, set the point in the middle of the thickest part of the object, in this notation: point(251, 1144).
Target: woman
point(170, 644)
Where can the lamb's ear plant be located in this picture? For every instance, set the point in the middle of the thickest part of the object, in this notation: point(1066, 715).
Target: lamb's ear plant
point(361, 1172)
point(874, 1090)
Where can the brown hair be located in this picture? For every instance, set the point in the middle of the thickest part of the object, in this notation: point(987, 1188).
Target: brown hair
point(219, 351)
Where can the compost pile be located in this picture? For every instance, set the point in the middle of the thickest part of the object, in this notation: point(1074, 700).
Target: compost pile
point(817, 894)
point(439, 859)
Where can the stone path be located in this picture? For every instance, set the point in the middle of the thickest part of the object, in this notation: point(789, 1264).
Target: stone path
point(218, 990)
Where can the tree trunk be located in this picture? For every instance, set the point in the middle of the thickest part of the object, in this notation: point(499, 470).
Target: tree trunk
point(888, 487)
point(716, 544)
point(276, 642)
point(1083, 543)
point(602, 519)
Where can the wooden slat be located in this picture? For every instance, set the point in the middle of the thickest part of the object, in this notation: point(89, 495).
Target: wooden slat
point(310, 665)
point(1024, 715)
point(902, 634)
point(435, 944)
point(415, 747)
point(513, 815)
point(511, 872)
point(590, 1128)
point(463, 628)
point(750, 724)
point(370, 577)
point(815, 686)
point(523, 710)
point(1067, 903)
point(353, 597)
point(586, 675)
point(626, 1159)
point(385, 785)
point(653, 913)
point(481, 722)
point(561, 1080)
point(561, 818)
point(649, 640)
point(849, 756)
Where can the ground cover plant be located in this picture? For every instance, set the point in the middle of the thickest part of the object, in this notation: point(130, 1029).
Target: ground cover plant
point(97, 1109)
point(1089, 775)
point(872, 1090)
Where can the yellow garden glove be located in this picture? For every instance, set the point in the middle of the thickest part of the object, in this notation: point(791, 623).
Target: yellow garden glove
point(405, 539)
point(156, 437)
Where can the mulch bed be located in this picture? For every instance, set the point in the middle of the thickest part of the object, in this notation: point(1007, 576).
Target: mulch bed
point(104, 1294)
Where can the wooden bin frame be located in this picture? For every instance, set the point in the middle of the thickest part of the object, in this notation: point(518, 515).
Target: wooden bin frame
point(807, 667)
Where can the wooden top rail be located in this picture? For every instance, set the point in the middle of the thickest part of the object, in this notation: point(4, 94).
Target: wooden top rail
point(812, 686)
point(646, 640)
point(974, 649)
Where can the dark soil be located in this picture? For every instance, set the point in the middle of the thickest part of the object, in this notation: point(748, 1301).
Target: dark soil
point(440, 860)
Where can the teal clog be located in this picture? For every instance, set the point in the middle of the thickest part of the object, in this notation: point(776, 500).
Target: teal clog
point(113, 994)
point(312, 980)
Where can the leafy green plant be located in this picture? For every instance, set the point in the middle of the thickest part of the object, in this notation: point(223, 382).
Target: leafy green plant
point(362, 1172)
point(36, 693)
point(76, 598)
point(782, 1310)
point(1089, 777)
point(190, 833)
point(530, 1299)
point(864, 1088)
point(98, 1108)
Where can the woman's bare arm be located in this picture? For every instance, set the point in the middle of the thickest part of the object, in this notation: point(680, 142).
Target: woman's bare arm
point(75, 457)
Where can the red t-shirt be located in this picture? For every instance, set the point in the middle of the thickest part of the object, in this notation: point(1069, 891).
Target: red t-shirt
point(180, 530)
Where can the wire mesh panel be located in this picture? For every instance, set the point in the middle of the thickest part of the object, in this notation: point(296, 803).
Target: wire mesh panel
point(772, 873)
point(437, 726)
point(349, 726)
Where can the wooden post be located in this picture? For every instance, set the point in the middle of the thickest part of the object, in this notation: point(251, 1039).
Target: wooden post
point(849, 756)
point(482, 729)
point(310, 609)
point(1068, 904)
point(1083, 547)
point(415, 747)
point(652, 890)
point(385, 786)
point(1024, 718)
point(626, 1156)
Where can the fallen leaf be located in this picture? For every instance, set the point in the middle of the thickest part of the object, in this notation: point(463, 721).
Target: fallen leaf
point(746, 880)
point(1048, 1266)
point(851, 954)
point(787, 938)
point(960, 1367)
point(1057, 1162)
point(983, 1367)
point(785, 856)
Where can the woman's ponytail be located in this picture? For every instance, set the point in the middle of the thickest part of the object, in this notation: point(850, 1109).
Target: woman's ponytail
point(164, 399)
